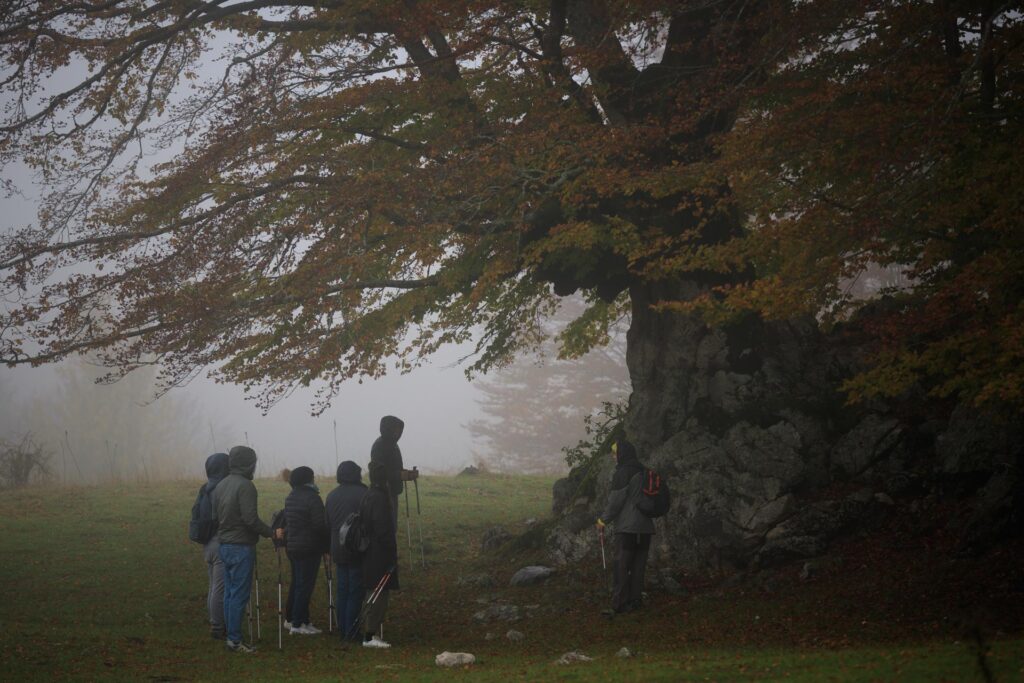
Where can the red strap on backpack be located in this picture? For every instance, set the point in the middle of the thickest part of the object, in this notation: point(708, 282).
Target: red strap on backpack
point(653, 483)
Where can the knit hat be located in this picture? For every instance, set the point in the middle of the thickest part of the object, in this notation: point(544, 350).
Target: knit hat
point(300, 476)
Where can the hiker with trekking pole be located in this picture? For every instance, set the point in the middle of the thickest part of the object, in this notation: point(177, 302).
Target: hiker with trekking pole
point(202, 529)
point(239, 528)
point(306, 543)
point(341, 504)
point(380, 562)
point(633, 528)
point(385, 451)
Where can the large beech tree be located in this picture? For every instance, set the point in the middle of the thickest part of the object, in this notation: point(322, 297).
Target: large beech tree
point(369, 180)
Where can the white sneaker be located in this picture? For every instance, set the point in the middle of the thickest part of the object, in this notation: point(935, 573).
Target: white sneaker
point(311, 629)
point(304, 630)
point(376, 642)
point(288, 625)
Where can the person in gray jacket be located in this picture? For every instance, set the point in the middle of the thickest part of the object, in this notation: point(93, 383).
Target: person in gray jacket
point(633, 529)
point(239, 529)
point(216, 470)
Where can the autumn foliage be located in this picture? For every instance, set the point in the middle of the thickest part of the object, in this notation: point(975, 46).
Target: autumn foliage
point(364, 181)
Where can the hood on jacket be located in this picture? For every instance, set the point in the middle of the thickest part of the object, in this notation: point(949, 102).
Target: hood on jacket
point(625, 453)
point(349, 473)
point(300, 476)
point(378, 474)
point(391, 427)
point(242, 460)
point(216, 469)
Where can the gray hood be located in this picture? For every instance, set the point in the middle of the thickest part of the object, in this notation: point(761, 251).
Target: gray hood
point(242, 460)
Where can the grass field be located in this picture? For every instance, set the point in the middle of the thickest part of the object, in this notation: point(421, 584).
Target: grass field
point(103, 584)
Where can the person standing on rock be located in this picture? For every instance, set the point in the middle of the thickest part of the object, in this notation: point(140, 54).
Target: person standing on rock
point(633, 529)
point(385, 451)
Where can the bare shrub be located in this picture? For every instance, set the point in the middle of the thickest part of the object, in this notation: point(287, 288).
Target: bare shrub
point(23, 461)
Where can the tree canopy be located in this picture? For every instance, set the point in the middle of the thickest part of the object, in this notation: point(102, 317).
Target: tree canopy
point(366, 180)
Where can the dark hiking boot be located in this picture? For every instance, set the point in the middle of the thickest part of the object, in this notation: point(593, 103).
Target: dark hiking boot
point(218, 634)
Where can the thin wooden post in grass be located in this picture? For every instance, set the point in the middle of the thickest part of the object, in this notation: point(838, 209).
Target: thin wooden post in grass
point(72, 453)
point(335, 445)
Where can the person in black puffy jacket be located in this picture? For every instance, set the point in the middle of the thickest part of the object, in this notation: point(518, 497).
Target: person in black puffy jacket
point(342, 502)
point(305, 543)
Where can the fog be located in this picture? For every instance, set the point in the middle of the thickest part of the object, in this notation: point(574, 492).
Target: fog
point(434, 401)
point(122, 432)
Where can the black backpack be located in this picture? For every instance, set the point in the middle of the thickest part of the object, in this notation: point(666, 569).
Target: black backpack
point(202, 526)
point(656, 497)
point(352, 537)
point(278, 521)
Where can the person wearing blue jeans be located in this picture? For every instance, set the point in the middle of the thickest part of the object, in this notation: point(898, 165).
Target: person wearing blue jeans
point(342, 502)
point(304, 571)
point(305, 544)
point(238, 561)
point(349, 598)
point(238, 529)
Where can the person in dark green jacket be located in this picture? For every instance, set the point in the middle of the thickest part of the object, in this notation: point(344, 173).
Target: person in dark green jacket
point(239, 528)
point(633, 529)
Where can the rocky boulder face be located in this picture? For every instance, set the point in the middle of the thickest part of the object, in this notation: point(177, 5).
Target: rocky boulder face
point(747, 425)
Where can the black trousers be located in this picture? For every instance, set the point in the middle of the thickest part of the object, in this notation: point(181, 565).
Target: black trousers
point(630, 563)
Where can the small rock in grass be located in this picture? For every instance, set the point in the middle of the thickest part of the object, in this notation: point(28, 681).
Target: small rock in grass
point(514, 635)
point(624, 653)
point(530, 575)
point(572, 657)
point(454, 659)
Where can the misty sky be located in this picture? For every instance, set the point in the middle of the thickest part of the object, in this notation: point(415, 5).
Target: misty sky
point(435, 401)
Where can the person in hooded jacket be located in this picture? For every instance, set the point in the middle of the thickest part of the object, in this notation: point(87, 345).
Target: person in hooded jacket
point(239, 528)
point(381, 560)
point(342, 502)
point(385, 451)
point(305, 543)
point(216, 469)
point(633, 529)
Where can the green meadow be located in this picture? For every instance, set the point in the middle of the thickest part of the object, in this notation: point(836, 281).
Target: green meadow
point(102, 584)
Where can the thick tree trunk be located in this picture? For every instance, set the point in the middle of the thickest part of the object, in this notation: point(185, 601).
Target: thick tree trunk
point(738, 419)
point(748, 426)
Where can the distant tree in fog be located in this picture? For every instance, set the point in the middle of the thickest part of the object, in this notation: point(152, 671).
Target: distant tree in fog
point(536, 406)
point(115, 431)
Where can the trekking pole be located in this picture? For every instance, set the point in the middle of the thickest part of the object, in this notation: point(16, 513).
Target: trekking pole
point(256, 577)
point(280, 614)
point(600, 534)
point(330, 596)
point(408, 528)
point(248, 615)
point(370, 601)
point(419, 516)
